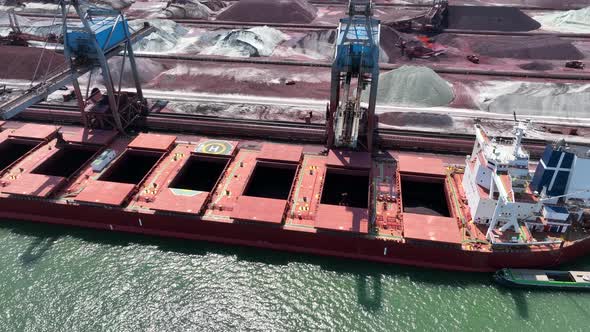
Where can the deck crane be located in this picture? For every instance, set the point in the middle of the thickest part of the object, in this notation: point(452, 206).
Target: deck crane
point(354, 71)
point(504, 209)
point(99, 35)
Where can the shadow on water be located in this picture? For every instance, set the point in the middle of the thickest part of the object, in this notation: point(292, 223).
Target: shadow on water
point(368, 275)
point(37, 249)
point(369, 291)
point(519, 298)
point(583, 310)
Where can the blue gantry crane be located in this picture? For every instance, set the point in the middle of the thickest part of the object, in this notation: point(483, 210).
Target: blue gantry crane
point(97, 35)
point(354, 71)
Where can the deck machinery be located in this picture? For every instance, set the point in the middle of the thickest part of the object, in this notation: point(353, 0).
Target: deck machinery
point(100, 35)
point(354, 71)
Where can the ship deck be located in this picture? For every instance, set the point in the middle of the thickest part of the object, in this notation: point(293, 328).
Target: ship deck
point(295, 187)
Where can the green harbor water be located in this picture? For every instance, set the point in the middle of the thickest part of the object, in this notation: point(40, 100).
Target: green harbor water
point(66, 279)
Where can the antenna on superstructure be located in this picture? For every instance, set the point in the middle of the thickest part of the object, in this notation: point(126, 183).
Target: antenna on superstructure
point(560, 144)
point(520, 130)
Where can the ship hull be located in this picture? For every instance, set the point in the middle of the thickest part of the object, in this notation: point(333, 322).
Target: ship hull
point(277, 238)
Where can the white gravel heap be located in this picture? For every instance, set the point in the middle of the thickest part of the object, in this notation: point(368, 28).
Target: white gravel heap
point(147, 70)
point(171, 37)
point(413, 86)
point(254, 42)
point(541, 99)
point(115, 4)
point(577, 21)
point(167, 36)
point(41, 27)
point(22, 20)
point(247, 111)
point(189, 9)
point(317, 44)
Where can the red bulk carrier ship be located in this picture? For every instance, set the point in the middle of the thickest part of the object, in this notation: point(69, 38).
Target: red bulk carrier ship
point(286, 197)
point(350, 199)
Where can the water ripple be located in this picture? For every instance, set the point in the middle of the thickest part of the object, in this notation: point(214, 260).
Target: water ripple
point(59, 279)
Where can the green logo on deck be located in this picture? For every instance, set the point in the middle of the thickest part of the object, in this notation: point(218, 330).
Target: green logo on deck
point(215, 147)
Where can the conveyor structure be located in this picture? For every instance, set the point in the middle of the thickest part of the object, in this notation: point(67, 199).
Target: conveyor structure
point(99, 35)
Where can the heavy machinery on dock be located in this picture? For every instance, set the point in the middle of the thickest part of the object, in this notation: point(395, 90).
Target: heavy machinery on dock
point(355, 75)
point(428, 21)
point(421, 47)
point(16, 37)
point(99, 35)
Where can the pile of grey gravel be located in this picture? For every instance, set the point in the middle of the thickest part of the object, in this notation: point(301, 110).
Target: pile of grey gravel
point(413, 86)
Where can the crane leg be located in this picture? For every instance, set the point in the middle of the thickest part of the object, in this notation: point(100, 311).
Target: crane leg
point(80, 101)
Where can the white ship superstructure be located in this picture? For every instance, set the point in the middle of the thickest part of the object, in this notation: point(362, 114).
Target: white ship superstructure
point(503, 194)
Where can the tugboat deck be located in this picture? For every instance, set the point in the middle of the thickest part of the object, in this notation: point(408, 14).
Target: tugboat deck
point(543, 275)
